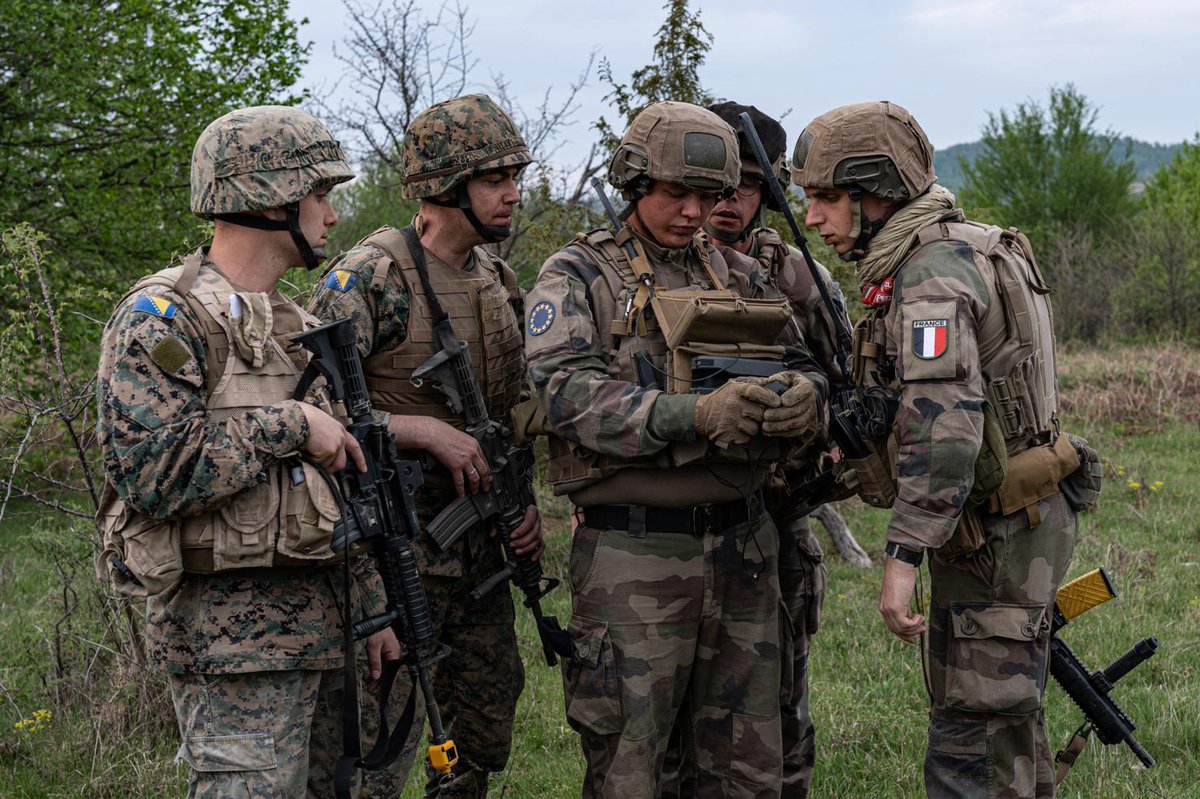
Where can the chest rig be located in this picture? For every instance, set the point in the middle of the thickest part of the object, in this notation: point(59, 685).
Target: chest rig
point(287, 519)
point(661, 334)
point(485, 307)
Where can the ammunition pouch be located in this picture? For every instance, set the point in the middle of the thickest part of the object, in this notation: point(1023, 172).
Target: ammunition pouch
point(527, 420)
point(968, 535)
point(1034, 475)
point(992, 462)
point(1082, 486)
point(871, 477)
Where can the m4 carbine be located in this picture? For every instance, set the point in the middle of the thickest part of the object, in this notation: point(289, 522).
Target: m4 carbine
point(511, 492)
point(378, 510)
point(1090, 690)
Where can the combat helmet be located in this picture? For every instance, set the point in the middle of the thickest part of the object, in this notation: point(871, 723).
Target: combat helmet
point(774, 142)
point(453, 141)
point(267, 156)
point(874, 148)
point(676, 143)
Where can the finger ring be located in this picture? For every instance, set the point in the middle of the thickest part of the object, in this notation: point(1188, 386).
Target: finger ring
point(475, 471)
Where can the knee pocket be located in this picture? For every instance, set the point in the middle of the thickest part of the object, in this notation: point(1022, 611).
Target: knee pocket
point(997, 659)
point(592, 687)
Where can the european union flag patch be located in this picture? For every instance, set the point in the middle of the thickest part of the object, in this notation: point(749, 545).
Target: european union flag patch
point(541, 317)
point(157, 306)
point(341, 280)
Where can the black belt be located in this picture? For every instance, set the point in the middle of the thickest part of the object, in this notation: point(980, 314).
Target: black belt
point(695, 521)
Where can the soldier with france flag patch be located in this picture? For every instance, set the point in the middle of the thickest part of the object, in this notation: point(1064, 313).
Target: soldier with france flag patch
point(958, 329)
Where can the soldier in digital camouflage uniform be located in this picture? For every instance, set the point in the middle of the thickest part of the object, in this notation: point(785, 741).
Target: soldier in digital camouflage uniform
point(461, 160)
point(736, 223)
point(676, 605)
point(959, 326)
point(207, 508)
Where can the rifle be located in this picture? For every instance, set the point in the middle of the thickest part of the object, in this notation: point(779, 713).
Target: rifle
point(857, 415)
point(1090, 690)
point(378, 509)
point(449, 371)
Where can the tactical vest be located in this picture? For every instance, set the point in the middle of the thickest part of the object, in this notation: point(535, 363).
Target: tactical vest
point(485, 309)
point(287, 519)
point(1015, 335)
point(667, 343)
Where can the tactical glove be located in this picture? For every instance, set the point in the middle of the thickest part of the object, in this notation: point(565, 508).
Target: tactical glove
point(733, 413)
point(799, 412)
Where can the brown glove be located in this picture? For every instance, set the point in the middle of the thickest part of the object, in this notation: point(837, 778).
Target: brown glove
point(733, 413)
point(799, 411)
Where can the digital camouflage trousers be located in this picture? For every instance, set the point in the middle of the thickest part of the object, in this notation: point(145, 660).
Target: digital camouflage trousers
point(989, 639)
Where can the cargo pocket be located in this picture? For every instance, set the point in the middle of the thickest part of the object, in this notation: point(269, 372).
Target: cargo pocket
point(312, 512)
point(140, 554)
point(816, 576)
point(246, 538)
point(997, 659)
point(590, 680)
point(250, 752)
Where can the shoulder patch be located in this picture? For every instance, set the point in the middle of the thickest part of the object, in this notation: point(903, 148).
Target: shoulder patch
point(157, 306)
point(541, 317)
point(929, 337)
point(341, 280)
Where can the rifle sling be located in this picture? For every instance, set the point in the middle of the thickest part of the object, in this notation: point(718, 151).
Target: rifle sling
point(418, 255)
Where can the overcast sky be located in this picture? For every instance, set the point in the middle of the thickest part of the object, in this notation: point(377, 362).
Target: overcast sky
point(950, 62)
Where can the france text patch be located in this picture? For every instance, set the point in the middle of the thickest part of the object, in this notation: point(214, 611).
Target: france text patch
point(929, 337)
point(340, 280)
point(158, 306)
point(541, 317)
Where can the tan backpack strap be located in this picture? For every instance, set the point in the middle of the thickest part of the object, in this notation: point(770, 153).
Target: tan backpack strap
point(700, 239)
point(191, 268)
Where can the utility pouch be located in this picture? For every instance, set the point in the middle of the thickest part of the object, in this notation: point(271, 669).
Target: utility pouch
point(1032, 476)
point(251, 320)
point(1082, 486)
point(527, 420)
point(967, 538)
point(718, 317)
point(992, 462)
point(870, 477)
point(140, 555)
point(737, 359)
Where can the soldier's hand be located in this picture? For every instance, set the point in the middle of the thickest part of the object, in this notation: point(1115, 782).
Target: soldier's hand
point(527, 538)
point(381, 647)
point(899, 578)
point(329, 443)
point(734, 412)
point(454, 449)
point(799, 411)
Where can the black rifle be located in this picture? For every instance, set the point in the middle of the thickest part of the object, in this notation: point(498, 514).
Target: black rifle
point(511, 492)
point(1090, 690)
point(856, 415)
point(378, 510)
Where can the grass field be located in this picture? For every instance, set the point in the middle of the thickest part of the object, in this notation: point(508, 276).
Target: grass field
point(106, 731)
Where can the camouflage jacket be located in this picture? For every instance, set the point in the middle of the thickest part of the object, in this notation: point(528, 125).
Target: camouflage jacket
point(593, 403)
point(945, 293)
point(166, 458)
point(382, 316)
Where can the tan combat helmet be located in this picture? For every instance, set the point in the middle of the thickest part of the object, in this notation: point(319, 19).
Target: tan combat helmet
point(675, 143)
point(268, 156)
point(875, 147)
point(451, 142)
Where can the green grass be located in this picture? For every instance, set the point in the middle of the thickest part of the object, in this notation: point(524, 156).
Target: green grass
point(114, 736)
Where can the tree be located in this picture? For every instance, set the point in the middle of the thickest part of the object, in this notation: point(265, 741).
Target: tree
point(682, 44)
point(1164, 286)
point(100, 104)
point(1042, 169)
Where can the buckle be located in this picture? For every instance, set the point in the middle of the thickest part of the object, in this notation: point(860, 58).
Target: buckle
point(703, 519)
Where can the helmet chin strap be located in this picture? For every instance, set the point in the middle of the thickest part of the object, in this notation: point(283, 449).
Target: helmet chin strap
point(312, 258)
point(491, 234)
point(864, 229)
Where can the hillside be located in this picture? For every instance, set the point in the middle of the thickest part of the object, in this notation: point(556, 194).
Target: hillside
point(1147, 157)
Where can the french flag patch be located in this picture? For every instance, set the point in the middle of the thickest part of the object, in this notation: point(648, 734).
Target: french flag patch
point(929, 337)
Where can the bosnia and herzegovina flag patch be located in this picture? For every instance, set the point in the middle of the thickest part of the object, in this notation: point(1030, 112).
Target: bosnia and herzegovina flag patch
point(157, 306)
point(930, 337)
point(340, 280)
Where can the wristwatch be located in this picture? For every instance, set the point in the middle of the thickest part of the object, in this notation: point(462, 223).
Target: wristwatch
point(909, 556)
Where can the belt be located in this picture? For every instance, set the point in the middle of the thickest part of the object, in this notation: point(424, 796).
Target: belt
point(695, 521)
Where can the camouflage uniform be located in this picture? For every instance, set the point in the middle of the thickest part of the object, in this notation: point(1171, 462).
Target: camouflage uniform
point(952, 325)
point(252, 654)
point(376, 285)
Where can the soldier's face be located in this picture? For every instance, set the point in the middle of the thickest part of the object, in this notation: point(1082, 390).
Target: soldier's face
point(493, 196)
point(830, 212)
point(317, 216)
point(732, 214)
point(671, 213)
